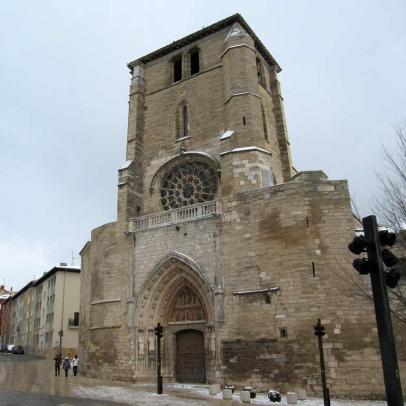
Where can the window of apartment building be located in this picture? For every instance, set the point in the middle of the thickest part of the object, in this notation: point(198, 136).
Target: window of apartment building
point(260, 73)
point(76, 318)
point(177, 68)
point(194, 61)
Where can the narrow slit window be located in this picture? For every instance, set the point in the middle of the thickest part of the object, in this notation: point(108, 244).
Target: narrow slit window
point(264, 123)
point(177, 69)
point(185, 119)
point(194, 62)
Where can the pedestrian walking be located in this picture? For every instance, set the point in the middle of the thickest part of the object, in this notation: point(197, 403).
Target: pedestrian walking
point(75, 363)
point(66, 366)
point(58, 361)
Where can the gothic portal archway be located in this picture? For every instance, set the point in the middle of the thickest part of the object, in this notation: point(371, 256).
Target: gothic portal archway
point(178, 295)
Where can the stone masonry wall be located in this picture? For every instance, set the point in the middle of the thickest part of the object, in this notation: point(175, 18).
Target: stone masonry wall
point(104, 335)
point(294, 236)
point(194, 239)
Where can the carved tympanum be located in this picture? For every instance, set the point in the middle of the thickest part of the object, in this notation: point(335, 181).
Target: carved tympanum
point(187, 307)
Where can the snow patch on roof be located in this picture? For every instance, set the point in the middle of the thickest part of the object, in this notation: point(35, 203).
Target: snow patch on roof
point(227, 134)
point(66, 266)
point(125, 165)
point(245, 149)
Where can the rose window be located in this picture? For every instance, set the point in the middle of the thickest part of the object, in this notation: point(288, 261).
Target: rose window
point(188, 184)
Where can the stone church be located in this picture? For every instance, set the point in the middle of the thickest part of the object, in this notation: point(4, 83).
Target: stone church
point(220, 239)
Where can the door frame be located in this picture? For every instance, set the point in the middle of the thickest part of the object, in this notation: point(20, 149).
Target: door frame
point(175, 328)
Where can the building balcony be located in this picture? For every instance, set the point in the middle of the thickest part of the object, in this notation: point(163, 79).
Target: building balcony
point(175, 216)
point(73, 323)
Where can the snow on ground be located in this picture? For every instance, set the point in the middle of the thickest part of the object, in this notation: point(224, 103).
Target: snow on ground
point(132, 397)
point(262, 399)
point(192, 395)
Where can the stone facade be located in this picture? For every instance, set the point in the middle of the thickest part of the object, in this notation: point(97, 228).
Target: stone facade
point(248, 259)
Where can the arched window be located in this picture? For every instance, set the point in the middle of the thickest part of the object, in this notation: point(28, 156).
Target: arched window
point(177, 68)
point(185, 121)
point(182, 121)
point(260, 73)
point(264, 123)
point(194, 61)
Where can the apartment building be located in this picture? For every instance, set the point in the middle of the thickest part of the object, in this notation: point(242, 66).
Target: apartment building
point(36, 315)
point(4, 295)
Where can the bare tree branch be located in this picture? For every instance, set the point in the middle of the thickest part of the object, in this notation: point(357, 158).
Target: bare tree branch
point(355, 208)
point(390, 207)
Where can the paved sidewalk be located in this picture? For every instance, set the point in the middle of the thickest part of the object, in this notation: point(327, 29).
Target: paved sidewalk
point(30, 381)
point(21, 375)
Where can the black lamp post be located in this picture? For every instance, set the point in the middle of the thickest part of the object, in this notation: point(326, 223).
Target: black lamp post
point(159, 333)
point(319, 332)
point(60, 334)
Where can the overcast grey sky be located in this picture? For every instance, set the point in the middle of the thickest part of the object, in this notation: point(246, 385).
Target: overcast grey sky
point(64, 91)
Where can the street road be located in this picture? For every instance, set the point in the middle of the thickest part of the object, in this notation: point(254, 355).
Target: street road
point(36, 399)
point(27, 380)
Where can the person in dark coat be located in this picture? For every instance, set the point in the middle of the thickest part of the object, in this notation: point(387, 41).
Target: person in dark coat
point(58, 361)
point(66, 366)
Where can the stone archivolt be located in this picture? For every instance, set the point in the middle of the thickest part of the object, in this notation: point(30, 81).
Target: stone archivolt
point(179, 296)
point(171, 282)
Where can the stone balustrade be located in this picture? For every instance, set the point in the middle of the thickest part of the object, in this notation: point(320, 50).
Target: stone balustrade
point(174, 216)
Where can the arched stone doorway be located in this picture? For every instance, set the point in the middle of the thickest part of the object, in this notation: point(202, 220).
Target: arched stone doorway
point(190, 365)
point(178, 295)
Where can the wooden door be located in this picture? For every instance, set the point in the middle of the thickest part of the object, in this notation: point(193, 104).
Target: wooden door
point(190, 359)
